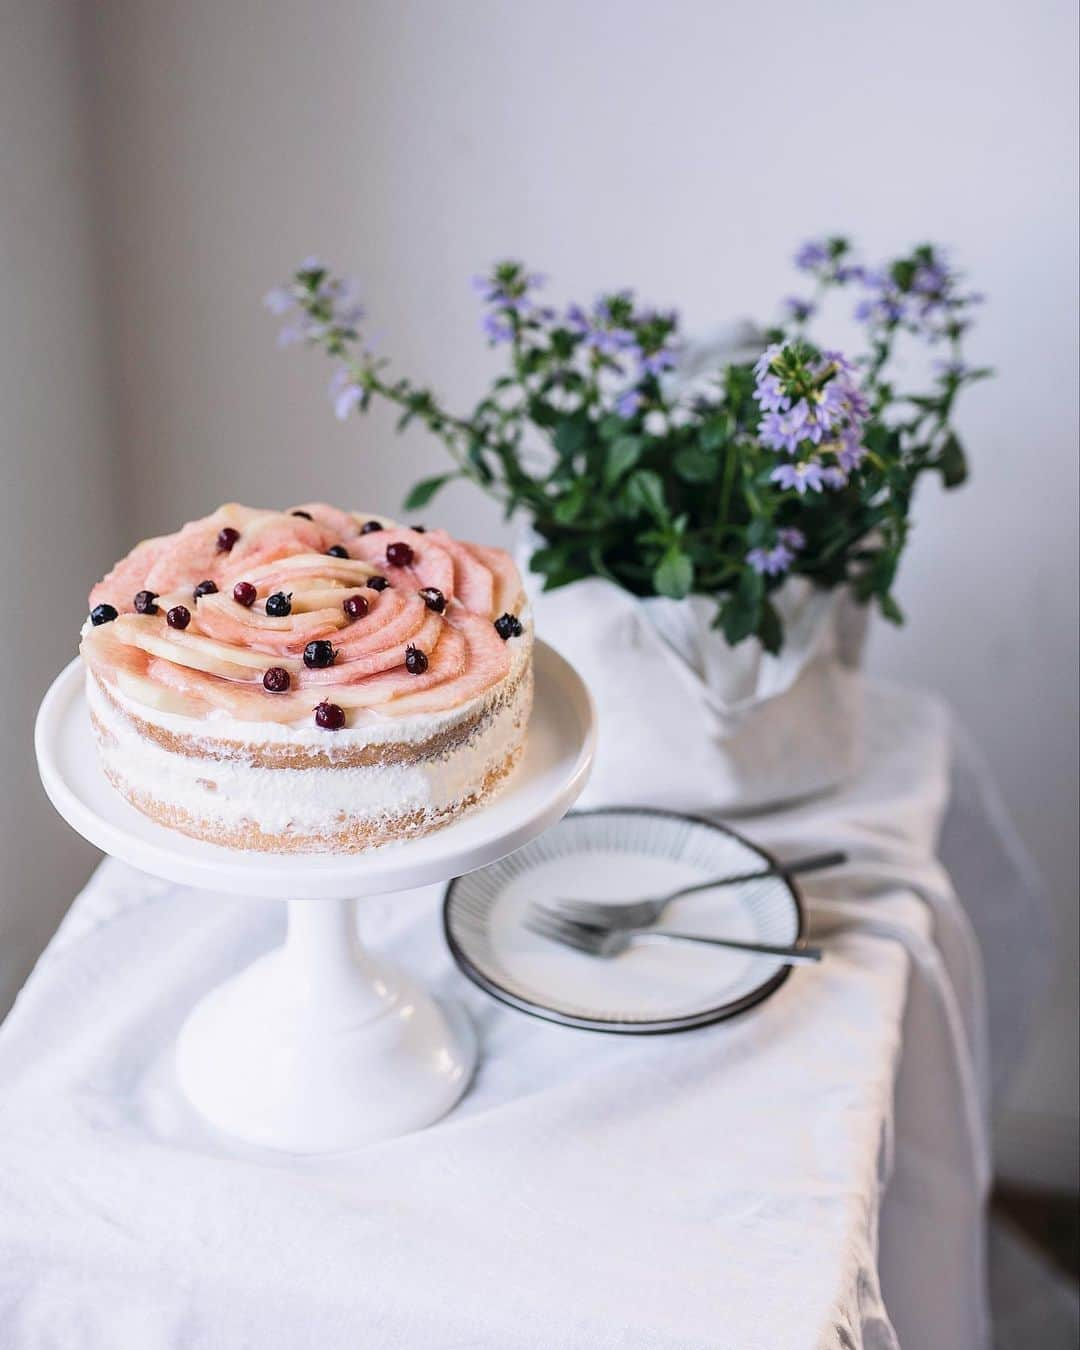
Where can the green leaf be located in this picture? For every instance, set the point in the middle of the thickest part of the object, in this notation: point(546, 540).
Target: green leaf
point(770, 629)
point(890, 609)
point(952, 462)
point(741, 615)
point(674, 574)
point(716, 432)
point(421, 493)
point(571, 503)
point(645, 492)
point(570, 436)
point(695, 465)
point(622, 455)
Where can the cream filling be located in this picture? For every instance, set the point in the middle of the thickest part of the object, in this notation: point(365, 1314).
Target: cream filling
point(306, 800)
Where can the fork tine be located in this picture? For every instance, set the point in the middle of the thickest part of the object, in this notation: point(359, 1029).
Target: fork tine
point(561, 930)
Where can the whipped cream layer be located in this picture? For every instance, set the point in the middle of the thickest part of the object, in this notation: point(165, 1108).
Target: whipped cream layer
point(224, 797)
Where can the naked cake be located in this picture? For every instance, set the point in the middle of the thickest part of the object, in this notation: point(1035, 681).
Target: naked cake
point(309, 680)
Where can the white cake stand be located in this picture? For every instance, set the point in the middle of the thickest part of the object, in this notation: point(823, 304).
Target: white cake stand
point(319, 1046)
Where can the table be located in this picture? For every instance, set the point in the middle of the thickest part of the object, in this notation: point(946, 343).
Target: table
point(751, 1185)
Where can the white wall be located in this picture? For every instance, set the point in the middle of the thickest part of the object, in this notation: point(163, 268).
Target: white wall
point(683, 147)
point(59, 475)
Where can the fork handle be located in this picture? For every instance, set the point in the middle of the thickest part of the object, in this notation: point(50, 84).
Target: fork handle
point(815, 862)
point(793, 956)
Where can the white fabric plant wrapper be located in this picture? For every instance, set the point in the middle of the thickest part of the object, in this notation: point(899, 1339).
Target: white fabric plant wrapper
point(691, 724)
point(720, 1188)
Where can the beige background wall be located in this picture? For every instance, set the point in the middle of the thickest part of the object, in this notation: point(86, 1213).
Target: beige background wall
point(59, 456)
point(683, 147)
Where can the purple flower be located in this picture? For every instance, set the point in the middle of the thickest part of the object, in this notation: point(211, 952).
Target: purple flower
point(833, 477)
point(770, 562)
point(839, 360)
point(627, 404)
point(858, 405)
point(577, 320)
point(887, 308)
point(497, 328)
point(799, 476)
point(770, 394)
point(345, 393)
point(930, 279)
point(767, 357)
point(831, 405)
point(851, 452)
point(489, 291)
point(279, 300)
point(784, 430)
point(610, 341)
point(655, 363)
point(798, 309)
point(813, 253)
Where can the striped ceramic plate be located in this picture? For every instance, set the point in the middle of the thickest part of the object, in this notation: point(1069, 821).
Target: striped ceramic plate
point(622, 854)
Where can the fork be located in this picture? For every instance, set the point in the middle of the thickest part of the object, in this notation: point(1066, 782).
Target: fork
point(614, 941)
point(642, 913)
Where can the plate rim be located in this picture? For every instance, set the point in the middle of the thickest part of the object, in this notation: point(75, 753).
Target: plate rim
point(658, 1027)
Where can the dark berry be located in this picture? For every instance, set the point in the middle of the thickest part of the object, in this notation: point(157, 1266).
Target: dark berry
point(336, 551)
point(415, 660)
point(433, 598)
point(329, 716)
point(178, 617)
point(355, 607)
point(244, 593)
point(226, 540)
point(418, 529)
point(399, 555)
point(204, 588)
point(508, 626)
point(276, 680)
point(102, 614)
point(279, 605)
point(376, 583)
point(144, 602)
point(370, 527)
point(304, 515)
point(319, 654)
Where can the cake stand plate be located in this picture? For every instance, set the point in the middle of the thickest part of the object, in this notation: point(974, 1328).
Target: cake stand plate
point(319, 1046)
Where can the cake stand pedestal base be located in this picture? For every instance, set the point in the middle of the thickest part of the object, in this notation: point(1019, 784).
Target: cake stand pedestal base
point(319, 1046)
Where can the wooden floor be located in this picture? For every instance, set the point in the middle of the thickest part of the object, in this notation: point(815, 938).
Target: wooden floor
point(1034, 1262)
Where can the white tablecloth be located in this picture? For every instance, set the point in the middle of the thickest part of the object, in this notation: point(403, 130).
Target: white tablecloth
point(722, 1188)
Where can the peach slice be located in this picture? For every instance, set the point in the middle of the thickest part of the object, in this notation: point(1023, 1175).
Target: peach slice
point(394, 620)
point(474, 585)
point(509, 596)
point(192, 554)
point(341, 522)
point(431, 564)
point(350, 668)
point(118, 588)
point(486, 662)
point(196, 652)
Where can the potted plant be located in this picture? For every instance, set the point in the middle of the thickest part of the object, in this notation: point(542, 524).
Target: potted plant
point(700, 518)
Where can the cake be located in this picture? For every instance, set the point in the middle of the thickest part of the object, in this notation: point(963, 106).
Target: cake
point(312, 680)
